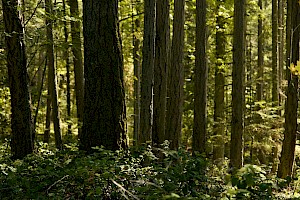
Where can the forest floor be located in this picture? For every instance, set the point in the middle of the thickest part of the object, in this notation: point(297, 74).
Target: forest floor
point(133, 174)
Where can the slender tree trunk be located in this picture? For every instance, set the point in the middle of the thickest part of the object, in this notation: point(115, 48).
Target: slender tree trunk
point(66, 55)
point(260, 60)
point(288, 147)
point(274, 52)
point(280, 45)
point(52, 80)
point(77, 60)
point(137, 82)
point(40, 87)
point(288, 38)
point(66, 32)
point(147, 72)
point(48, 116)
point(104, 97)
point(160, 71)
point(201, 75)
point(176, 78)
point(21, 122)
point(238, 89)
point(219, 114)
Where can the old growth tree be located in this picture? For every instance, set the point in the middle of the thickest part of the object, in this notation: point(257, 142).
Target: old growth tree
point(104, 97)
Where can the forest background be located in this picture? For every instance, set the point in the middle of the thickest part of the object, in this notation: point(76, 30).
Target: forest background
point(211, 92)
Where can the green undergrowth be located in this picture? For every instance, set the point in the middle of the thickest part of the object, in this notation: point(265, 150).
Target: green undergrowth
point(132, 174)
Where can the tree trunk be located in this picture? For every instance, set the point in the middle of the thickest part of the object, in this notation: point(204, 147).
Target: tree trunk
point(137, 83)
point(274, 52)
point(288, 147)
point(48, 116)
point(77, 60)
point(21, 122)
point(201, 74)
point(238, 89)
point(160, 71)
point(219, 115)
point(176, 78)
point(104, 98)
point(288, 38)
point(147, 72)
point(280, 46)
point(40, 88)
point(260, 59)
point(52, 80)
point(66, 55)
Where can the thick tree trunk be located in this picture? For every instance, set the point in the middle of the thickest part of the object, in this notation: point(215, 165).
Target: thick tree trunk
point(288, 147)
point(77, 60)
point(176, 78)
point(238, 89)
point(219, 114)
point(201, 75)
point(52, 80)
point(160, 71)
point(260, 60)
point(104, 97)
point(147, 72)
point(21, 122)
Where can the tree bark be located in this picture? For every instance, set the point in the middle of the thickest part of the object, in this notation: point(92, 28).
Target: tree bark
point(52, 79)
point(147, 72)
point(219, 114)
point(48, 116)
point(162, 40)
point(238, 89)
point(66, 55)
point(288, 147)
point(275, 84)
point(280, 46)
point(21, 121)
point(104, 97)
point(77, 60)
point(137, 83)
point(260, 59)
point(201, 74)
point(176, 78)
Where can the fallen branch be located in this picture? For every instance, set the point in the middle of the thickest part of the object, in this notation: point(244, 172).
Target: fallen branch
point(56, 183)
point(124, 190)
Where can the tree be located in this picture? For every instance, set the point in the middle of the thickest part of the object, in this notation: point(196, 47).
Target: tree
point(219, 114)
point(52, 79)
point(162, 38)
point(280, 45)
point(201, 73)
point(147, 72)
point(137, 82)
point(274, 52)
point(260, 59)
point(288, 146)
point(104, 97)
point(21, 122)
point(66, 34)
point(176, 78)
point(238, 90)
point(77, 60)
point(48, 116)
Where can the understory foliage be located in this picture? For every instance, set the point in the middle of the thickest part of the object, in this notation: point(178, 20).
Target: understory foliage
point(72, 174)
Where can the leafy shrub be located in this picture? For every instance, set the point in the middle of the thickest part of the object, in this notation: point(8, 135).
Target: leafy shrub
point(139, 173)
point(104, 174)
